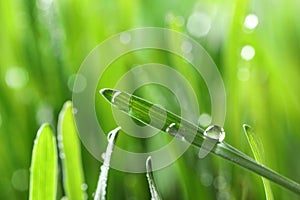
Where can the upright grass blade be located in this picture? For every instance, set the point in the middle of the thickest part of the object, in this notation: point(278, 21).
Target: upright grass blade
point(139, 109)
point(70, 154)
point(151, 182)
point(100, 193)
point(257, 150)
point(43, 170)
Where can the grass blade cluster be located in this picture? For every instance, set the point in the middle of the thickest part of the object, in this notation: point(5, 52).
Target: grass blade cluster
point(138, 108)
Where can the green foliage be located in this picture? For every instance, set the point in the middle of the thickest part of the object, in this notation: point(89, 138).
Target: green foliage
point(257, 150)
point(70, 154)
point(138, 108)
point(43, 176)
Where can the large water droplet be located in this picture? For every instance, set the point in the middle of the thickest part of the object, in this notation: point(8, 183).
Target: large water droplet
point(121, 100)
point(173, 130)
point(215, 132)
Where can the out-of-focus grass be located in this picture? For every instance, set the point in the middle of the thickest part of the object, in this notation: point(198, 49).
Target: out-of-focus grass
point(47, 40)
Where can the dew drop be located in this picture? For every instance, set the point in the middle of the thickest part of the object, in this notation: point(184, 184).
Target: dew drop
point(62, 155)
point(84, 187)
point(121, 101)
point(16, 77)
point(215, 132)
point(173, 130)
point(199, 24)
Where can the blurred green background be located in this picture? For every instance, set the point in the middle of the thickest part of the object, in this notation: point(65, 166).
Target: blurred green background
point(255, 45)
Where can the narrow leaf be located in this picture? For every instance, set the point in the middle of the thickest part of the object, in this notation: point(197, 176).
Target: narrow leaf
point(43, 170)
point(138, 108)
point(100, 193)
point(257, 150)
point(151, 182)
point(70, 154)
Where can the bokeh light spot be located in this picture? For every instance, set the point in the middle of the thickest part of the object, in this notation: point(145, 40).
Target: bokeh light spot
point(80, 85)
point(16, 77)
point(198, 24)
point(248, 52)
point(251, 21)
point(20, 179)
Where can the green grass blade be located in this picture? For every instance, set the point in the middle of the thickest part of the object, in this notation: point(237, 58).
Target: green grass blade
point(100, 193)
point(151, 182)
point(43, 170)
point(138, 108)
point(257, 149)
point(70, 154)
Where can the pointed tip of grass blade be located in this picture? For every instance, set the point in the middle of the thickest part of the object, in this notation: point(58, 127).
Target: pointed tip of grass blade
point(149, 164)
point(112, 135)
point(107, 93)
point(258, 152)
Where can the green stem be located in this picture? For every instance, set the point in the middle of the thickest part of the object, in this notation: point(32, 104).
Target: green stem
point(139, 108)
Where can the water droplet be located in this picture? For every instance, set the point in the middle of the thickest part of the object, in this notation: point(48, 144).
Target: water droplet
point(74, 111)
point(247, 52)
point(16, 77)
point(251, 21)
point(215, 132)
point(199, 24)
point(125, 38)
point(84, 187)
point(173, 130)
point(113, 99)
point(62, 155)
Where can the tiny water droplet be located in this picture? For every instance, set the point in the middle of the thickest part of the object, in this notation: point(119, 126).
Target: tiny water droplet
point(62, 155)
point(173, 130)
point(215, 132)
point(84, 186)
point(103, 155)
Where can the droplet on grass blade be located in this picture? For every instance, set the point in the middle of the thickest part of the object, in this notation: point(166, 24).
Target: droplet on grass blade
point(215, 132)
point(173, 130)
point(214, 135)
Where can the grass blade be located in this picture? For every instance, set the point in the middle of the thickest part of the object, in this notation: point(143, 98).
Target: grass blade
point(138, 108)
point(257, 150)
point(100, 193)
point(151, 182)
point(70, 154)
point(43, 170)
